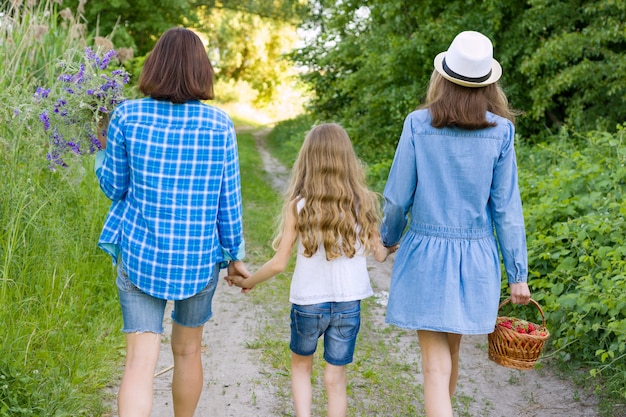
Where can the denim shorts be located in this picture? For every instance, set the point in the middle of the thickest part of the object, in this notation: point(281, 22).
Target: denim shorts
point(338, 322)
point(142, 312)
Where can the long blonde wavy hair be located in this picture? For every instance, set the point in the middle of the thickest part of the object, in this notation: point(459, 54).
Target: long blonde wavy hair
point(339, 211)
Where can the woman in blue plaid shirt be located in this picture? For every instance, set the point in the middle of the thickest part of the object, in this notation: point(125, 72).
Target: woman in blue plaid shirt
point(171, 170)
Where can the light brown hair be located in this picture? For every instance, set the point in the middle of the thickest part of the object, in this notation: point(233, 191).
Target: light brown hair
point(177, 69)
point(339, 211)
point(466, 107)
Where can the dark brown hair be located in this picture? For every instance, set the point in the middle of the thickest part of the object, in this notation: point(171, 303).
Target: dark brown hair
point(466, 107)
point(177, 69)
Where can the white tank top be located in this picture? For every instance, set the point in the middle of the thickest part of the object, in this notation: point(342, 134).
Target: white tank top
point(316, 280)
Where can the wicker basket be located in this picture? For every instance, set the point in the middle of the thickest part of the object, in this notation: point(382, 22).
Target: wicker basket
point(508, 347)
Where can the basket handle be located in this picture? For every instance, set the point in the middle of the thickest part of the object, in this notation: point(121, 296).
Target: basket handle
point(543, 317)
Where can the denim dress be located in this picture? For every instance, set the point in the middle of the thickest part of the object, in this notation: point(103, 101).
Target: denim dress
point(458, 192)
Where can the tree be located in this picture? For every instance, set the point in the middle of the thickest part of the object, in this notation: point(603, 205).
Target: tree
point(564, 62)
point(246, 38)
point(137, 23)
point(371, 61)
point(246, 47)
point(577, 75)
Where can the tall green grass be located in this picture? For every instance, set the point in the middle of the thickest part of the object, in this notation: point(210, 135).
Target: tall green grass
point(60, 340)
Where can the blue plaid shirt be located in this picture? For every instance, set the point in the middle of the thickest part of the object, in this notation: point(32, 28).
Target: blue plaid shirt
point(172, 173)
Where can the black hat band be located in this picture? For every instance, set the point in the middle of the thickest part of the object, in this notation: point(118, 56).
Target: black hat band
point(462, 77)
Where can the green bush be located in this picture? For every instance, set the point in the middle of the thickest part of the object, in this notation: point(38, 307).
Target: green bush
point(575, 205)
point(286, 138)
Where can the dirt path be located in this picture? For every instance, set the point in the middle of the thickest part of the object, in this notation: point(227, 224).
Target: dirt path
point(237, 384)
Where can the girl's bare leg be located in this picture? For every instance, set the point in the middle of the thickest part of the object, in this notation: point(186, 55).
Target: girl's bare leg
point(301, 368)
point(335, 382)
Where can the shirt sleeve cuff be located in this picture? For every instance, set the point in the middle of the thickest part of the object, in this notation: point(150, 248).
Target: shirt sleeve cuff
point(227, 257)
point(99, 161)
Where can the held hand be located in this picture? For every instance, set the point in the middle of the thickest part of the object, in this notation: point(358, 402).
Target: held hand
point(520, 293)
point(393, 249)
point(238, 281)
point(238, 268)
point(381, 252)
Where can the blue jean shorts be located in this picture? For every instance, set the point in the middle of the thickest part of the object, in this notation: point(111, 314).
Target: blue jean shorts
point(338, 322)
point(142, 312)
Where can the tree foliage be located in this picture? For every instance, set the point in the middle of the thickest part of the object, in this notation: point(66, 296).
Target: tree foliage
point(246, 38)
point(249, 48)
point(137, 23)
point(577, 73)
point(564, 62)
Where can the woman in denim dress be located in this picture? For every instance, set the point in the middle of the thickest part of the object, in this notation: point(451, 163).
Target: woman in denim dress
point(454, 182)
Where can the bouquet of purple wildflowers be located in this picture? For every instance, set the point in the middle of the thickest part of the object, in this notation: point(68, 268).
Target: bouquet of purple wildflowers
point(74, 111)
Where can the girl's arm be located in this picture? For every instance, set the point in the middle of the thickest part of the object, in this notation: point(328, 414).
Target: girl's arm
point(279, 261)
point(381, 252)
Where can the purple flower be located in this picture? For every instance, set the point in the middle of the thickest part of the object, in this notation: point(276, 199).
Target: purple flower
point(45, 119)
point(42, 93)
point(107, 58)
point(94, 143)
point(57, 139)
point(75, 147)
point(78, 78)
point(55, 159)
point(69, 109)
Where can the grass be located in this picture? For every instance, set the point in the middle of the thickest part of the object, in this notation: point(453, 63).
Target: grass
point(59, 329)
point(60, 340)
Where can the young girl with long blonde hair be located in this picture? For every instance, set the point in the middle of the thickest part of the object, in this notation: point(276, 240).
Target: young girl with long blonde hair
point(333, 217)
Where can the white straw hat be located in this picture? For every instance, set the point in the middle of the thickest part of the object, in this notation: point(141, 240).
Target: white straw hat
point(469, 61)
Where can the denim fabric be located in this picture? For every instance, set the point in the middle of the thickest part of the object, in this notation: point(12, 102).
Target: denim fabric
point(453, 188)
point(339, 322)
point(142, 312)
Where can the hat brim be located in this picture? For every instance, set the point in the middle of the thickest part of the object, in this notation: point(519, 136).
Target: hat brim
point(496, 73)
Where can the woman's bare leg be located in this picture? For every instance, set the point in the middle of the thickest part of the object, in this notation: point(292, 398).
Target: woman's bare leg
point(454, 342)
point(437, 368)
point(136, 390)
point(187, 381)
